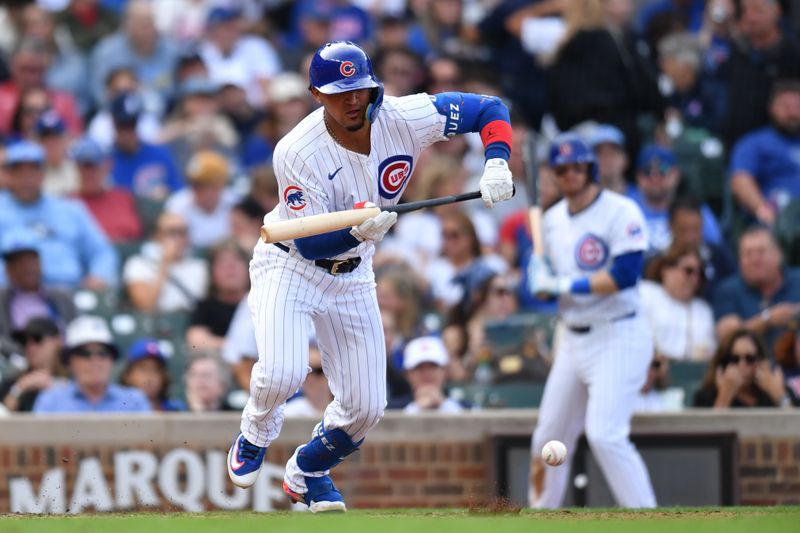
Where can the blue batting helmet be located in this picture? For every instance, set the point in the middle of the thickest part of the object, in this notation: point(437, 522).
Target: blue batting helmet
point(343, 66)
point(569, 148)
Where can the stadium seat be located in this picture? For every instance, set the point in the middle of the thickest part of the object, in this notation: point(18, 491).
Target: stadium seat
point(702, 160)
point(149, 210)
point(787, 229)
point(687, 375)
point(506, 395)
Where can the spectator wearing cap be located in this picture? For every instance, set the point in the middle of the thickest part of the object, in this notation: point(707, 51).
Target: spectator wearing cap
point(41, 343)
point(29, 64)
point(25, 297)
point(765, 164)
point(164, 276)
point(89, 355)
point(233, 104)
point(608, 144)
point(60, 174)
point(207, 202)
point(101, 128)
point(113, 208)
point(74, 250)
point(207, 381)
point(425, 360)
point(139, 46)
point(197, 123)
point(147, 371)
point(144, 169)
point(227, 48)
point(246, 218)
point(657, 181)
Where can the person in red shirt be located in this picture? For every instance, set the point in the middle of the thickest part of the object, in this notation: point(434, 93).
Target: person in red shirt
point(29, 64)
point(114, 209)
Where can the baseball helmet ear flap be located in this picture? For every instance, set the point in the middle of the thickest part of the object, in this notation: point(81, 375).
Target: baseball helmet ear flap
point(375, 102)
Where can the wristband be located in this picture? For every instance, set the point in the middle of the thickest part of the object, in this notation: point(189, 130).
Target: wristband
point(765, 314)
point(580, 286)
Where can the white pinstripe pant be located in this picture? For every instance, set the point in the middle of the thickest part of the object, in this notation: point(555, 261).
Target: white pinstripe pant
point(287, 293)
point(591, 387)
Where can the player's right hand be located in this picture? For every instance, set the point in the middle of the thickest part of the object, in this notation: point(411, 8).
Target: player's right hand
point(542, 281)
point(373, 229)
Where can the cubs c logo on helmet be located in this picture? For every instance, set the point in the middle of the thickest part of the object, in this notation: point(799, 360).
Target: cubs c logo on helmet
point(347, 68)
point(565, 149)
point(591, 252)
point(294, 197)
point(393, 173)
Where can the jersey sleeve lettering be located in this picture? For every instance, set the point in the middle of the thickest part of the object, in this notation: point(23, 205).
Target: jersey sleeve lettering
point(474, 113)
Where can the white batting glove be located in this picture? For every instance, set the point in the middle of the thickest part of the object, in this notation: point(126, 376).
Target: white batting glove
point(496, 184)
point(373, 229)
point(542, 280)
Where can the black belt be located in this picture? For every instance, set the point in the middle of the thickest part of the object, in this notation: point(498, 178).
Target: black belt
point(582, 330)
point(342, 266)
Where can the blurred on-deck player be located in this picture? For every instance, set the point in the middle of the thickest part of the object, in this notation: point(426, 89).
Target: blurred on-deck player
point(358, 147)
point(595, 240)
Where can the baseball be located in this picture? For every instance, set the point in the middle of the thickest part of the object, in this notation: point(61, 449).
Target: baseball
point(554, 453)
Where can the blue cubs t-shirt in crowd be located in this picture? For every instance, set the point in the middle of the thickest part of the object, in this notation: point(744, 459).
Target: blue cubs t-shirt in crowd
point(149, 172)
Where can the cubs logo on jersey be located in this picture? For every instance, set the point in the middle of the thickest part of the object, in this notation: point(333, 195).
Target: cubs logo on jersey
point(294, 197)
point(591, 252)
point(393, 173)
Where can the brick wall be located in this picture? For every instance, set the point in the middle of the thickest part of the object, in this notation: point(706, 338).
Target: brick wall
point(426, 461)
point(769, 471)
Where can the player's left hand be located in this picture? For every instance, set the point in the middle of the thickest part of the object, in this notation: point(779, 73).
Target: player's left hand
point(542, 280)
point(496, 184)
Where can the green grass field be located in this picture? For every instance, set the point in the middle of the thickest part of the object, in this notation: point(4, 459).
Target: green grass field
point(678, 520)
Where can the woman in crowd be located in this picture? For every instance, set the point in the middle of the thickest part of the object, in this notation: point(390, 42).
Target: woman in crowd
point(230, 282)
point(147, 371)
point(740, 376)
point(787, 355)
point(682, 322)
point(41, 342)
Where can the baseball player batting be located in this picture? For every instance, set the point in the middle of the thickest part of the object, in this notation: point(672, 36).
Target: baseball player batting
point(358, 147)
point(595, 242)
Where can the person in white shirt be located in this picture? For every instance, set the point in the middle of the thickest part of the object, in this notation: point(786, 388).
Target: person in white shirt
point(425, 360)
point(207, 202)
point(682, 322)
point(228, 50)
point(163, 276)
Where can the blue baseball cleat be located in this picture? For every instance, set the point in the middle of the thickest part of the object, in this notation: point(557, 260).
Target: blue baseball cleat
point(244, 462)
point(322, 495)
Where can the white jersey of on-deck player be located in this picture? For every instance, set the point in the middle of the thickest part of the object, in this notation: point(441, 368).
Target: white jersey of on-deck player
point(316, 175)
point(583, 243)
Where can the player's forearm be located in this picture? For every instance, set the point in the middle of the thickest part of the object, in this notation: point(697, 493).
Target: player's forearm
point(473, 113)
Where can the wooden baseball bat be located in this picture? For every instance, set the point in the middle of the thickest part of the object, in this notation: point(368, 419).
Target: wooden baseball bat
point(296, 228)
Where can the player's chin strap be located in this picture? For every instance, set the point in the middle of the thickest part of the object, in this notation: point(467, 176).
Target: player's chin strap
point(375, 102)
point(326, 449)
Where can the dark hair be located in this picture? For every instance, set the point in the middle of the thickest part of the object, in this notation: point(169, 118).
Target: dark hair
point(16, 119)
point(226, 245)
point(166, 379)
point(250, 208)
point(785, 85)
point(464, 223)
point(754, 229)
point(722, 354)
point(671, 257)
point(114, 72)
point(684, 203)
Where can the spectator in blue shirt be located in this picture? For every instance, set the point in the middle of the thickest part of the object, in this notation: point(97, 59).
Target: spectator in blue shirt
point(142, 168)
point(89, 354)
point(765, 164)
point(657, 180)
point(765, 296)
point(73, 249)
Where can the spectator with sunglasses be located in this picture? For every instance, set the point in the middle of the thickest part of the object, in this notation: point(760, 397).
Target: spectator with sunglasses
point(682, 322)
point(90, 354)
point(41, 342)
point(740, 376)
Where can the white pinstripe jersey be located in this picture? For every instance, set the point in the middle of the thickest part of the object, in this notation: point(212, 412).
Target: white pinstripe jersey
point(316, 175)
point(584, 243)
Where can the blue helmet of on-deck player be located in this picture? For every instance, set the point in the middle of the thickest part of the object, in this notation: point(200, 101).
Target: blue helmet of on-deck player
point(342, 66)
point(569, 148)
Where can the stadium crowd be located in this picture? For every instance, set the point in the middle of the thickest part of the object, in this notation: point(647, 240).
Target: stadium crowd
point(136, 168)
